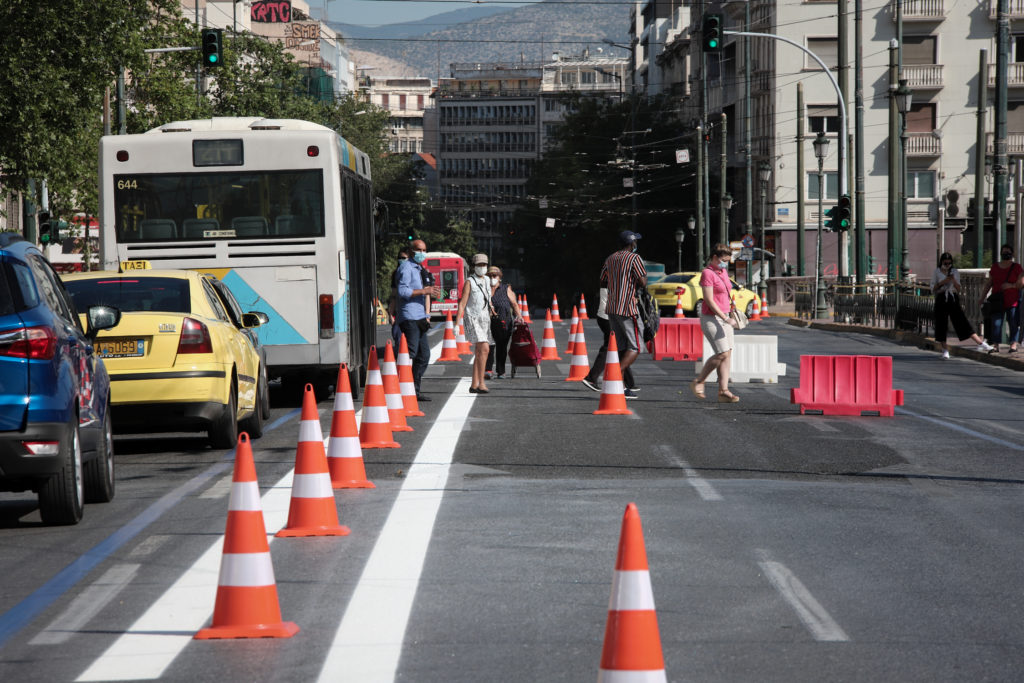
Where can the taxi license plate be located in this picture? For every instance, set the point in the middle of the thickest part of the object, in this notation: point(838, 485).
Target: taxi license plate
point(121, 348)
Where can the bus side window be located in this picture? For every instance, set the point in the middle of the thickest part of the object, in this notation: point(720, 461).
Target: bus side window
point(194, 227)
point(158, 229)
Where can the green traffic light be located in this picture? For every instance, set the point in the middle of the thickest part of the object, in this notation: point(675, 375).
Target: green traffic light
point(212, 59)
point(712, 43)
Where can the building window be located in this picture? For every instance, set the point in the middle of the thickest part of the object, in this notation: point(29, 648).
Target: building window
point(921, 117)
point(419, 102)
point(568, 77)
point(831, 185)
point(827, 50)
point(920, 184)
point(588, 77)
point(401, 102)
point(823, 119)
point(384, 101)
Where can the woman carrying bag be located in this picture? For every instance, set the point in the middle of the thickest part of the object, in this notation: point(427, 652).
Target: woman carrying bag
point(1004, 279)
point(475, 310)
point(717, 323)
point(946, 287)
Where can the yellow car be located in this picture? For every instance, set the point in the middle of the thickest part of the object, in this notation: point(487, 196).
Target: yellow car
point(183, 357)
point(664, 293)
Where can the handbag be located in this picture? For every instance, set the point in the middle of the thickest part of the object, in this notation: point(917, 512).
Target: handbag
point(739, 317)
point(994, 303)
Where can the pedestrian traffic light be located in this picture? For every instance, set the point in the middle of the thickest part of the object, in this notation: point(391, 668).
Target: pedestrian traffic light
point(711, 31)
point(832, 216)
point(212, 46)
point(45, 228)
point(845, 212)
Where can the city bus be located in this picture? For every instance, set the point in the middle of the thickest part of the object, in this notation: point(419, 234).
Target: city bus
point(449, 271)
point(279, 210)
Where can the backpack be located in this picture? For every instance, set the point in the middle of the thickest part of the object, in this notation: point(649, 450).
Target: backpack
point(648, 314)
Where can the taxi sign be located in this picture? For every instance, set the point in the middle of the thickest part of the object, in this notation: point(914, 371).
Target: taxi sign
point(135, 265)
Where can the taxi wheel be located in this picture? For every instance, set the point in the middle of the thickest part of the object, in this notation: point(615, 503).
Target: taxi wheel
point(60, 498)
point(750, 309)
point(99, 472)
point(254, 423)
point(223, 432)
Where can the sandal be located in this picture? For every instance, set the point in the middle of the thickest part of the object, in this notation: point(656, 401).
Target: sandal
point(698, 392)
point(727, 397)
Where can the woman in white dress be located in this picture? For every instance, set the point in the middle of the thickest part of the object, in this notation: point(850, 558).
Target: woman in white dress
point(475, 311)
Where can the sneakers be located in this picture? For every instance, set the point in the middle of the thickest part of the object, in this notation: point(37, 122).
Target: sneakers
point(984, 347)
point(629, 393)
point(590, 385)
point(945, 355)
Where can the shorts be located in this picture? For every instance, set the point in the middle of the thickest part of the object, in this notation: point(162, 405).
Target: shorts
point(718, 333)
point(629, 331)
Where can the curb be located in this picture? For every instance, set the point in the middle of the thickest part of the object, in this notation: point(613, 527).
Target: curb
point(913, 338)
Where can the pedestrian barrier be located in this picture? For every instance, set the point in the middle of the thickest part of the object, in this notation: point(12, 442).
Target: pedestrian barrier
point(583, 308)
point(312, 511)
point(548, 349)
point(246, 605)
point(375, 427)
point(846, 385)
point(555, 317)
point(678, 339)
point(462, 346)
point(755, 358)
point(572, 328)
point(406, 382)
point(449, 348)
point(344, 455)
point(632, 644)
point(613, 396)
point(392, 393)
point(579, 365)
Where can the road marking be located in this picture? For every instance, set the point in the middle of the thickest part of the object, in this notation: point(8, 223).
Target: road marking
point(149, 545)
point(704, 488)
point(88, 603)
point(220, 489)
point(964, 430)
point(818, 621)
point(368, 642)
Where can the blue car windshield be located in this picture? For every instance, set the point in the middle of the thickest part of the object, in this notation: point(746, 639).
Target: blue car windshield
point(132, 293)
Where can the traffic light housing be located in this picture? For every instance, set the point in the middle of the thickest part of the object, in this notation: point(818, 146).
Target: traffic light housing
point(832, 219)
point(212, 46)
point(45, 228)
point(844, 213)
point(711, 33)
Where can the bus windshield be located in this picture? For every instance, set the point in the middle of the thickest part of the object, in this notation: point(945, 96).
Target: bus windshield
point(222, 205)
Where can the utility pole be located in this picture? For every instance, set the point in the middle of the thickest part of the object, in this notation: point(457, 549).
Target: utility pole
point(747, 132)
point(861, 252)
point(700, 196)
point(801, 116)
point(894, 169)
point(1000, 165)
point(844, 90)
point(723, 233)
point(979, 160)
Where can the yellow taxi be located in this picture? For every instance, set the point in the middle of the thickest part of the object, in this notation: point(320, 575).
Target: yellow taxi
point(183, 358)
point(665, 290)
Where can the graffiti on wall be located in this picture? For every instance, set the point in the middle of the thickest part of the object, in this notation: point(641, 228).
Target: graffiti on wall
point(271, 11)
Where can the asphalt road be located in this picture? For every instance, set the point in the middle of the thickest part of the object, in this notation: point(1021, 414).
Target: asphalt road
point(781, 547)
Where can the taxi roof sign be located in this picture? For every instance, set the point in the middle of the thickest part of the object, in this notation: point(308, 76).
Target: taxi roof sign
point(135, 265)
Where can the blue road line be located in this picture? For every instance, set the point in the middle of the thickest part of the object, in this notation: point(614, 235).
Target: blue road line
point(19, 616)
point(964, 430)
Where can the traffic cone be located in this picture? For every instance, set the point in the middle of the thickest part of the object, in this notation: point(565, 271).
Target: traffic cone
point(583, 308)
point(344, 456)
point(632, 644)
point(312, 511)
point(449, 349)
point(555, 317)
point(392, 393)
point(246, 605)
point(548, 350)
point(679, 306)
point(579, 366)
point(764, 306)
point(406, 383)
point(462, 346)
point(572, 331)
point(375, 427)
point(757, 308)
point(525, 308)
point(613, 397)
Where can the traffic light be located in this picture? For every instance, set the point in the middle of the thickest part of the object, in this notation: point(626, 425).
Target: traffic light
point(845, 213)
point(45, 228)
point(832, 216)
point(711, 32)
point(212, 47)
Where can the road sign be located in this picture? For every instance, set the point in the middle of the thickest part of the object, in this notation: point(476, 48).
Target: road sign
point(748, 240)
point(747, 254)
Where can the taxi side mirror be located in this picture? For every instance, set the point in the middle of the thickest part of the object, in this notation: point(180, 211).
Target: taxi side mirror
point(254, 319)
point(101, 318)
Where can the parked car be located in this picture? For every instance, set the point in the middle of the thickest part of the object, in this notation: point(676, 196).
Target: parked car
point(664, 293)
point(182, 358)
point(55, 429)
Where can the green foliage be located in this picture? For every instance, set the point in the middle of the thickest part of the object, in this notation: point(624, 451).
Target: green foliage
point(966, 260)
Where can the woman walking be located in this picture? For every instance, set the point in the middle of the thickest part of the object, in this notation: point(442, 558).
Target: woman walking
point(716, 323)
point(946, 287)
point(475, 310)
point(1004, 279)
point(506, 313)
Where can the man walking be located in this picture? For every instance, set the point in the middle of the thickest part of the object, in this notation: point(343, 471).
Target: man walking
point(624, 273)
point(413, 294)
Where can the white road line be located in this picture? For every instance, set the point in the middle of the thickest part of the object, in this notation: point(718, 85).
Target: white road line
point(704, 488)
point(220, 489)
point(150, 544)
point(88, 603)
point(368, 642)
point(818, 621)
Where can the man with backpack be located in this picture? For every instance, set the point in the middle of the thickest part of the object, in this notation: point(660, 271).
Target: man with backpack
point(624, 275)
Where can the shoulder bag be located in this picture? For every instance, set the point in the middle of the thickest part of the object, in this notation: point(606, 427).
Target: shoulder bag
point(739, 317)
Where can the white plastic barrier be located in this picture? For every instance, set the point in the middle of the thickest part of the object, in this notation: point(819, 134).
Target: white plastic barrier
point(755, 358)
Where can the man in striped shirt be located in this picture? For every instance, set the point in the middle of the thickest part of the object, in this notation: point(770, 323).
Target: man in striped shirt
point(624, 272)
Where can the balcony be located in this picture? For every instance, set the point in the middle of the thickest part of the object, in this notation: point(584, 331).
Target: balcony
point(1015, 8)
point(1014, 73)
point(1014, 144)
point(923, 76)
point(923, 145)
point(922, 10)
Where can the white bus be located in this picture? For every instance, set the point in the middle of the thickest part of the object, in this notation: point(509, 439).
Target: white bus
point(280, 210)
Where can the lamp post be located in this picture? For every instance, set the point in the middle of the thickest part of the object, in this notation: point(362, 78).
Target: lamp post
point(680, 236)
point(820, 151)
point(726, 205)
point(904, 97)
point(764, 174)
point(691, 223)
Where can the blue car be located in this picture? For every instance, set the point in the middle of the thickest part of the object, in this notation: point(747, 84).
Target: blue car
point(55, 436)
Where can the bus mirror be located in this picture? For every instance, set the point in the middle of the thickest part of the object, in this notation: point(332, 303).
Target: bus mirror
point(254, 319)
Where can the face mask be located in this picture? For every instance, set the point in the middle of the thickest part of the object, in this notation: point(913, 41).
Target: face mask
point(495, 281)
point(419, 256)
point(723, 264)
point(480, 270)
point(1007, 256)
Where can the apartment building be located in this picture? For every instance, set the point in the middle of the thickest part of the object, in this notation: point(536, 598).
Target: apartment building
point(407, 100)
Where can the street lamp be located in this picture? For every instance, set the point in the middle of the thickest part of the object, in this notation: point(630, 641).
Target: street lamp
point(904, 97)
point(691, 223)
point(820, 151)
point(726, 205)
point(764, 174)
point(680, 236)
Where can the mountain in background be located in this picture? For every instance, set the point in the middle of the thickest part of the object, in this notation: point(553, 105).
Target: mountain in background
point(416, 28)
point(530, 33)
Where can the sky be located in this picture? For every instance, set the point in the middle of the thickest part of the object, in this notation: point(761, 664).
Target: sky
point(377, 12)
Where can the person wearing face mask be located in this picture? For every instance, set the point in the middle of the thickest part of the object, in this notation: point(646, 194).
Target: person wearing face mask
point(946, 287)
point(404, 254)
point(475, 310)
point(506, 314)
point(1005, 279)
point(414, 292)
point(624, 274)
point(716, 323)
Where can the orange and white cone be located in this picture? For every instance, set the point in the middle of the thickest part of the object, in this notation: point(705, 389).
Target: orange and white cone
point(679, 306)
point(579, 366)
point(313, 511)
point(632, 643)
point(757, 308)
point(572, 331)
point(246, 604)
point(344, 456)
point(462, 346)
point(583, 308)
point(555, 317)
point(525, 308)
point(375, 427)
point(613, 396)
point(449, 348)
point(392, 392)
point(764, 306)
point(406, 383)
point(548, 350)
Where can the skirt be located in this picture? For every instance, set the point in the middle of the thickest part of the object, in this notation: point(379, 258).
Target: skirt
point(477, 329)
point(718, 333)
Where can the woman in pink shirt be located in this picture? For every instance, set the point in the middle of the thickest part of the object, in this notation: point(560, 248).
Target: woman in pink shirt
point(716, 323)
